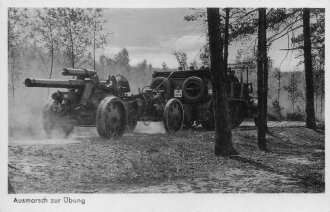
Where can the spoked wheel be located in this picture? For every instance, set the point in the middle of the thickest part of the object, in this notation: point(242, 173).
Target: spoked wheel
point(111, 118)
point(54, 123)
point(173, 116)
point(131, 124)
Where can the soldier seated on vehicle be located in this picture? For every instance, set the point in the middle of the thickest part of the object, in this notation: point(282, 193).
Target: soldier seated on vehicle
point(232, 77)
point(110, 81)
point(233, 85)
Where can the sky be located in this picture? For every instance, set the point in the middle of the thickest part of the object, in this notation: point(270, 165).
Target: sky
point(153, 34)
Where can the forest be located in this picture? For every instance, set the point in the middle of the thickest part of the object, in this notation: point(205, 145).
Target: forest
point(41, 42)
point(281, 148)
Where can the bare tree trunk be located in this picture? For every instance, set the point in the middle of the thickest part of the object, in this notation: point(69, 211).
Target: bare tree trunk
point(226, 39)
point(322, 96)
point(310, 112)
point(279, 88)
point(72, 50)
point(292, 107)
point(94, 52)
point(13, 81)
point(223, 136)
point(51, 63)
point(265, 76)
point(315, 101)
point(262, 68)
point(52, 60)
point(10, 187)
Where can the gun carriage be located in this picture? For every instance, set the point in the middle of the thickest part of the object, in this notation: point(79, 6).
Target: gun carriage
point(105, 104)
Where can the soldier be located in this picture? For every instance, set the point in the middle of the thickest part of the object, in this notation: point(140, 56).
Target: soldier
point(232, 77)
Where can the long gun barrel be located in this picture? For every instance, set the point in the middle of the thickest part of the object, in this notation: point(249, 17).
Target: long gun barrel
point(49, 83)
point(78, 72)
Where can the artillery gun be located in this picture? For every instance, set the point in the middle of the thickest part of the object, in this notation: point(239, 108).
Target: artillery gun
point(105, 104)
point(179, 98)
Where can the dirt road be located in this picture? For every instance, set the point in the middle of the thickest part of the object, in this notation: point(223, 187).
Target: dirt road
point(141, 162)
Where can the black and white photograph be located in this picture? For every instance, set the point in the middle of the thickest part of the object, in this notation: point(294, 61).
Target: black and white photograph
point(153, 101)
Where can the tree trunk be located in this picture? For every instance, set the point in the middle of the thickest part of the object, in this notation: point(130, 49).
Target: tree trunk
point(315, 101)
point(72, 50)
point(52, 60)
point(223, 136)
point(13, 81)
point(310, 112)
point(279, 88)
point(292, 107)
point(226, 39)
point(322, 96)
point(94, 51)
point(265, 76)
point(262, 68)
point(51, 63)
point(10, 187)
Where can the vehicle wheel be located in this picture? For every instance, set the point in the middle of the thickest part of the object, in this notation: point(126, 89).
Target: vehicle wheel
point(173, 116)
point(55, 124)
point(208, 123)
point(193, 89)
point(110, 118)
point(131, 124)
point(162, 83)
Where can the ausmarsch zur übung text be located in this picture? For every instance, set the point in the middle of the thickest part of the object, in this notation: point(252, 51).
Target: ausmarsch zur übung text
point(52, 201)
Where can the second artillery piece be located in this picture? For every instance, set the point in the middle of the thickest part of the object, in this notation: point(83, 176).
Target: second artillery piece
point(105, 104)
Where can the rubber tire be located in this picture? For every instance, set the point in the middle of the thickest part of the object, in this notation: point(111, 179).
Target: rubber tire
point(200, 94)
point(166, 116)
point(101, 118)
point(157, 81)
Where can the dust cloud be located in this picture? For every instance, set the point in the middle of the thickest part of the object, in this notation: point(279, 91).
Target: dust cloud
point(150, 128)
point(25, 114)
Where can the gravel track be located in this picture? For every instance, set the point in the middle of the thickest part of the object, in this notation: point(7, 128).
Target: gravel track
point(161, 163)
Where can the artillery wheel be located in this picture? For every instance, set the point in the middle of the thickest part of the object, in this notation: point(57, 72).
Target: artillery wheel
point(173, 116)
point(54, 123)
point(131, 124)
point(111, 118)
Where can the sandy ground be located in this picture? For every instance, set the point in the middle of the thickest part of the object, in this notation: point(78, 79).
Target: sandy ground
point(151, 161)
